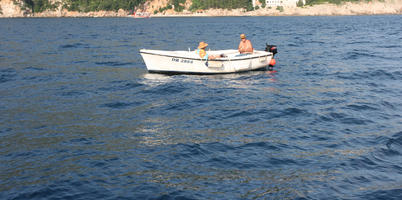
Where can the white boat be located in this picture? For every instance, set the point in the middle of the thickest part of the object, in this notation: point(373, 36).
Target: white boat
point(159, 61)
point(140, 15)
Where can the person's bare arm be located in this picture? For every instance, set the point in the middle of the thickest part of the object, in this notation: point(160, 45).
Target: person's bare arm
point(241, 47)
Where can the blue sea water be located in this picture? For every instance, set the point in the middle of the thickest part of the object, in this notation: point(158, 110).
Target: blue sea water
point(81, 118)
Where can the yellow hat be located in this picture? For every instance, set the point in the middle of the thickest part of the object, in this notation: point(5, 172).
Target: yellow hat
point(242, 36)
point(202, 45)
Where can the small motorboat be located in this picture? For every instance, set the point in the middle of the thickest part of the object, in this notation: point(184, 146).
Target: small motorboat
point(231, 61)
point(140, 15)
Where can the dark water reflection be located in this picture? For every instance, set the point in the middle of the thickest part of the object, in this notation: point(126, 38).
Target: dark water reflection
point(82, 119)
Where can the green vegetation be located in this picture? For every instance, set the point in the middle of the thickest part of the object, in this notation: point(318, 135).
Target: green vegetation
point(178, 5)
point(280, 8)
point(130, 5)
point(337, 2)
point(223, 4)
point(97, 5)
point(38, 5)
point(114, 5)
point(168, 7)
point(263, 3)
point(84, 5)
point(300, 3)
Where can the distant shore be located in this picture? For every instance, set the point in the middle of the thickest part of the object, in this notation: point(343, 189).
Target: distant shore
point(369, 8)
point(391, 7)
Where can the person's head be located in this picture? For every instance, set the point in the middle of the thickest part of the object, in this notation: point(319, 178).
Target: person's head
point(202, 45)
point(242, 36)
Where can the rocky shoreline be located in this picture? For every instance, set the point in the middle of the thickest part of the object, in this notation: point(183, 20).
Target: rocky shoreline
point(389, 7)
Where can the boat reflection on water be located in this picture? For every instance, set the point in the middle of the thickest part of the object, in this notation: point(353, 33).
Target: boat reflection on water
point(154, 80)
point(264, 79)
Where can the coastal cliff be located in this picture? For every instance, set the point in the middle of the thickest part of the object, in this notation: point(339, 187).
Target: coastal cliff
point(16, 8)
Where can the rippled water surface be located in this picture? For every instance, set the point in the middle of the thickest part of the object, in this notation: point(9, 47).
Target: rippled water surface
point(80, 117)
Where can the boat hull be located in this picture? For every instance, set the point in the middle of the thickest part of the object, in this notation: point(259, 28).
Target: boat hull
point(188, 62)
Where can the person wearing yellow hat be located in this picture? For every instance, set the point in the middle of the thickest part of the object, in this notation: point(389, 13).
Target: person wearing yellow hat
point(245, 45)
point(203, 54)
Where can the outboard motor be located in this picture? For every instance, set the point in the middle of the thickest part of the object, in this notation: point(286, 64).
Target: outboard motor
point(273, 50)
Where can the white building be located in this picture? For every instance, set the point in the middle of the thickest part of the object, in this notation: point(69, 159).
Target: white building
point(274, 3)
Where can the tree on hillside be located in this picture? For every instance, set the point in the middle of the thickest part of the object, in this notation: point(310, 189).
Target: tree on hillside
point(178, 5)
point(300, 3)
point(38, 5)
point(263, 3)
